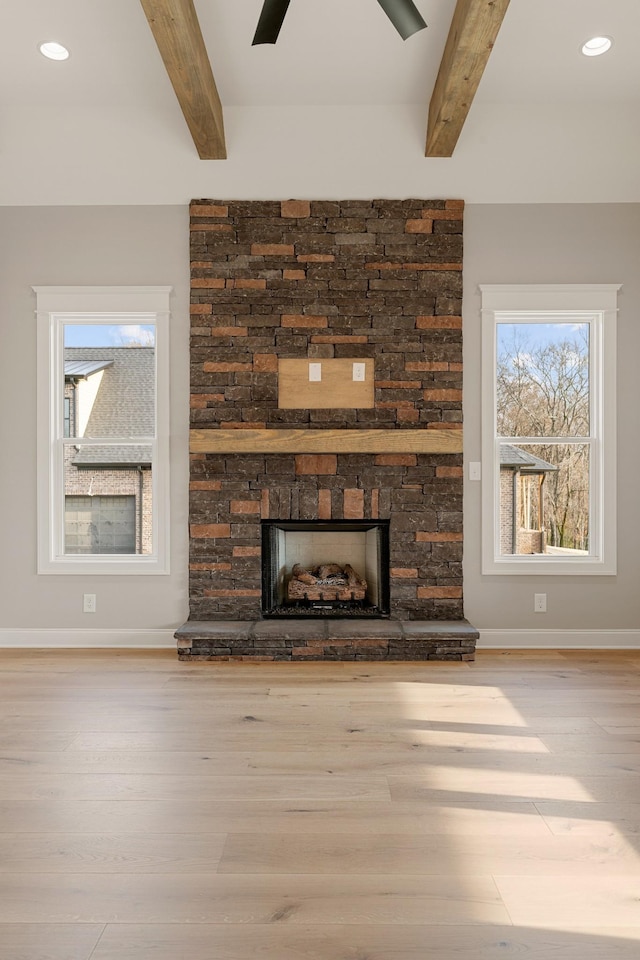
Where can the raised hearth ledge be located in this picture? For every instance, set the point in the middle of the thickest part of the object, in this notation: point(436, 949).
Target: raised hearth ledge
point(326, 639)
point(430, 440)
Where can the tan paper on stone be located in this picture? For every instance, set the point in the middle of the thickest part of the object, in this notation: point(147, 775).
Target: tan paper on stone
point(336, 389)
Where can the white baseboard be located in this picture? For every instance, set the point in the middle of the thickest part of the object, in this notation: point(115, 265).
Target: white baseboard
point(559, 639)
point(77, 639)
point(163, 639)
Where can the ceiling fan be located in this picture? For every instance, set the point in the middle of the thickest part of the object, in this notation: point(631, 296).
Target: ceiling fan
point(404, 15)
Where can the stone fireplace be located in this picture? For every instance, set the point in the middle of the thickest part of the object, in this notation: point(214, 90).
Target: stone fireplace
point(326, 398)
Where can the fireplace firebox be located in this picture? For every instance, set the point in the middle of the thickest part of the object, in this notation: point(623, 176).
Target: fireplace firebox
point(337, 568)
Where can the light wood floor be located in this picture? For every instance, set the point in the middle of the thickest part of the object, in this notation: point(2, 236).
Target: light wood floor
point(153, 810)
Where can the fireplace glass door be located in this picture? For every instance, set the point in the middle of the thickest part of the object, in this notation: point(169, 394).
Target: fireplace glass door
point(334, 568)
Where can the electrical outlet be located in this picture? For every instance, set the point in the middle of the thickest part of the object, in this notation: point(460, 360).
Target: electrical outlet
point(359, 372)
point(475, 471)
point(539, 603)
point(89, 603)
point(315, 372)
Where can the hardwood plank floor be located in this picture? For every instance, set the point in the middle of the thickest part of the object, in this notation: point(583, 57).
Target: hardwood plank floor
point(153, 809)
point(363, 941)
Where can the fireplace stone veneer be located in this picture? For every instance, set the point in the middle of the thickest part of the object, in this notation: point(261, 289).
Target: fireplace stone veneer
point(378, 280)
point(417, 493)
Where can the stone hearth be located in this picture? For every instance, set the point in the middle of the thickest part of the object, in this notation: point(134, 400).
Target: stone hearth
point(295, 640)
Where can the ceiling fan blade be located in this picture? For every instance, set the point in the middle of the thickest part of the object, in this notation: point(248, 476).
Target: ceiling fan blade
point(271, 19)
point(404, 15)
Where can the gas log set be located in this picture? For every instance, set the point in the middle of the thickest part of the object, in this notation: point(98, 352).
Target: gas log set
point(328, 581)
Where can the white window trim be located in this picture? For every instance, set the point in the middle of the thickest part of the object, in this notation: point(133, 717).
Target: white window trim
point(132, 305)
point(596, 303)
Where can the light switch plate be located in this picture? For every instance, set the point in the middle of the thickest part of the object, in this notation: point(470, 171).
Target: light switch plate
point(475, 470)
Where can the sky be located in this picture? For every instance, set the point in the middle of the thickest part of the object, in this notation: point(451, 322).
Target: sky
point(530, 336)
point(108, 335)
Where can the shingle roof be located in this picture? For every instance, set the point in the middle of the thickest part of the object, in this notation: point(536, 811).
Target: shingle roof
point(113, 456)
point(512, 456)
point(124, 405)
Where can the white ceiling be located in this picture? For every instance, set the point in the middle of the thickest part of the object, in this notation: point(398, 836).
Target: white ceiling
point(336, 108)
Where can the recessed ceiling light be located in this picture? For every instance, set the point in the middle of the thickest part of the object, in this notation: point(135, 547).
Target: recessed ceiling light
point(53, 50)
point(596, 46)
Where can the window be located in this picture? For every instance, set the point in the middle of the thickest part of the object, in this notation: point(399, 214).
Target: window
point(102, 429)
point(68, 427)
point(549, 429)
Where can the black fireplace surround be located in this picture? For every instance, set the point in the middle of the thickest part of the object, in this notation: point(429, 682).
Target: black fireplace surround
point(366, 549)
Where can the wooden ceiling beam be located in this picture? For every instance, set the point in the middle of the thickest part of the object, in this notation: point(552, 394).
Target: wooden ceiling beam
point(175, 27)
point(473, 32)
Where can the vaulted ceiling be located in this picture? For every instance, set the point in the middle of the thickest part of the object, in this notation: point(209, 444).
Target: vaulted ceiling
point(340, 106)
point(472, 34)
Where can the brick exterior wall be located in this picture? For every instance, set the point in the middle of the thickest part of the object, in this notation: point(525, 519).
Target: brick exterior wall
point(507, 507)
point(299, 279)
point(527, 541)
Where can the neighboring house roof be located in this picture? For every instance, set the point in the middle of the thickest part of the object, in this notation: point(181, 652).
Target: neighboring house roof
point(75, 369)
point(519, 459)
point(107, 456)
point(123, 406)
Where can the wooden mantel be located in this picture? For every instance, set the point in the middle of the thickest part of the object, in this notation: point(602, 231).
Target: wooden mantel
point(326, 441)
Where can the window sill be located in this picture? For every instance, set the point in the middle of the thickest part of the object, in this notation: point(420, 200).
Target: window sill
point(100, 566)
point(549, 567)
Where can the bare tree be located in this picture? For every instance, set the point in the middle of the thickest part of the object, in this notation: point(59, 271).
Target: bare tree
point(543, 391)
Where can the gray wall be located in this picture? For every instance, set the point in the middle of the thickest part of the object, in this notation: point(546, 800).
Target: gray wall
point(557, 243)
point(149, 245)
point(84, 245)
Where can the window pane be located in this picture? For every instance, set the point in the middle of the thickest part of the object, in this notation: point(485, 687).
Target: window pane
point(542, 379)
point(108, 499)
point(109, 380)
point(100, 525)
point(544, 499)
